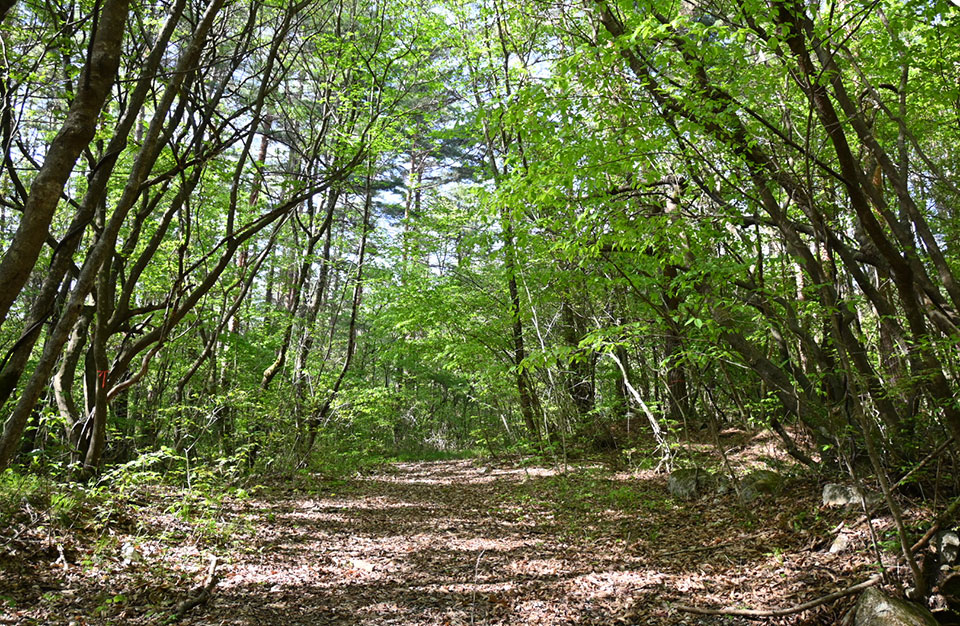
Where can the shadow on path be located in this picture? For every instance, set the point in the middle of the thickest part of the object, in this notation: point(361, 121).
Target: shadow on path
point(447, 544)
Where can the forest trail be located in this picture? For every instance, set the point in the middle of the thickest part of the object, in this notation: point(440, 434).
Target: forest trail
point(449, 543)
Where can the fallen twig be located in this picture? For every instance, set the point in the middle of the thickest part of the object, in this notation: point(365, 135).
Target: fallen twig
point(758, 613)
point(473, 594)
point(201, 594)
point(800, 608)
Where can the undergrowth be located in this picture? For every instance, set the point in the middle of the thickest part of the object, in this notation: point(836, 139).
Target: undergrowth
point(140, 527)
point(134, 499)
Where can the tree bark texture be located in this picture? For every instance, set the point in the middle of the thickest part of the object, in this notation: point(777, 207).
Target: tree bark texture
point(76, 133)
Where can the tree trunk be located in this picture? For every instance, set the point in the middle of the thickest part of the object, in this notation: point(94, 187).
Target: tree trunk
point(317, 300)
point(322, 415)
point(105, 244)
point(578, 377)
point(64, 378)
point(528, 399)
point(77, 132)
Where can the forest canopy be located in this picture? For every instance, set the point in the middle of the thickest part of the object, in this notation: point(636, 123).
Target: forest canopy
point(288, 232)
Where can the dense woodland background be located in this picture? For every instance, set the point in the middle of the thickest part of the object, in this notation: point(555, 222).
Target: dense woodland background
point(276, 234)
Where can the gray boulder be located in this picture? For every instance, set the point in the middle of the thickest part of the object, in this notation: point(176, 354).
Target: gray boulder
point(687, 484)
point(948, 547)
point(846, 495)
point(759, 482)
point(875, 608)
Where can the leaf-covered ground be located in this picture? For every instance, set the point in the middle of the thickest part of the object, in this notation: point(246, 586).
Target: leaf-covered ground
point(442, 543)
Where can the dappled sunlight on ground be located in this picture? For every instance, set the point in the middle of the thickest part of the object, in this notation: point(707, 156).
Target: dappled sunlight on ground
point(454, 543)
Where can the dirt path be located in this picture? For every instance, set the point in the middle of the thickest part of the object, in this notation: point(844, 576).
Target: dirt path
point(443, 544)
point(450, 543)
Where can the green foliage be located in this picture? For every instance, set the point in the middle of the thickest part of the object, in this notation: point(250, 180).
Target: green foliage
point(17, 490)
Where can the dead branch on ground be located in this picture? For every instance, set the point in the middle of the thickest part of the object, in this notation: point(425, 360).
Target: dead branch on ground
point(199, 595)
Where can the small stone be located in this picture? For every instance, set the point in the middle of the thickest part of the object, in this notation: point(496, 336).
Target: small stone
point(841, 543)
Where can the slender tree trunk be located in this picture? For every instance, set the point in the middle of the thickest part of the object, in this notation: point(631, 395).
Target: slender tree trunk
point(101, 365)
point(322, 415)
point(525, 390)
point(659, 435)
point(578, 377)
point(296, 294)
point(64, 378)
point(77, 132)
point(105, 244)
point(676, 374)
point(319, 297)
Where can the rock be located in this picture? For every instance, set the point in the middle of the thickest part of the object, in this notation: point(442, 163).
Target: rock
point(757, 483)
point(841, 543)
point(875, 608)
point(688, 484)
point(130, 554)
point(948, 547)
point(846, 495)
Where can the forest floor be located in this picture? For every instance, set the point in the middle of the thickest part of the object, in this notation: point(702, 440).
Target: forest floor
point(440, 543)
